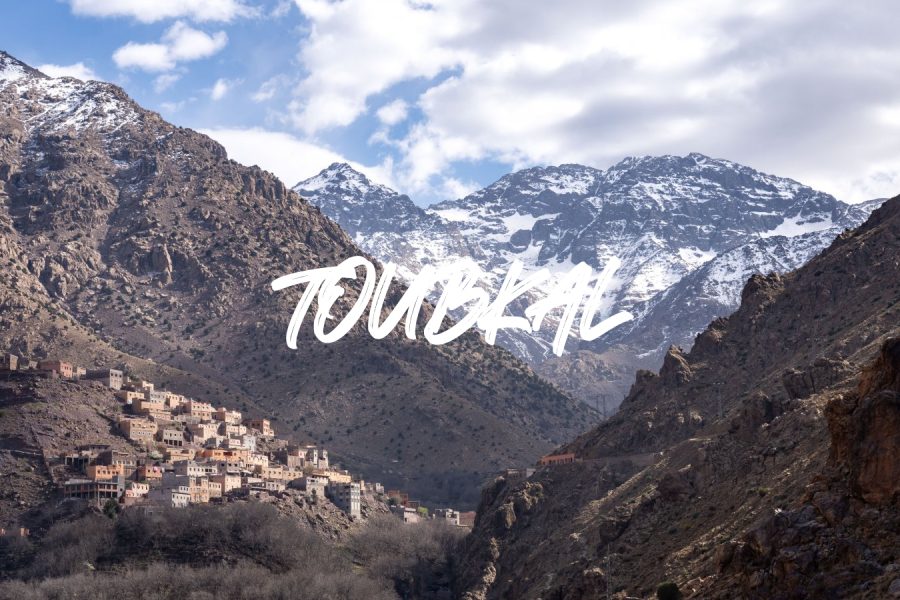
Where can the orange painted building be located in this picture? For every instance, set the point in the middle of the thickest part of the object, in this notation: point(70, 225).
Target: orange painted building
point(104, 472)
point(63, 368)
point(557, 459)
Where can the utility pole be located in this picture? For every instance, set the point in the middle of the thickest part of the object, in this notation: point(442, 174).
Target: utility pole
point(719, 399)
point(720, 403)
point(601, 400)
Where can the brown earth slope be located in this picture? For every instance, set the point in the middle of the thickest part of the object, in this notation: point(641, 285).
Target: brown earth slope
point(126, 239)
point(716, 471)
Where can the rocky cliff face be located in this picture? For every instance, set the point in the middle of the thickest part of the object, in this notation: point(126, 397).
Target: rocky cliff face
point(760, 464)
point(864, 430)
point(127, 239)
point(840, 540)
point(690, 231)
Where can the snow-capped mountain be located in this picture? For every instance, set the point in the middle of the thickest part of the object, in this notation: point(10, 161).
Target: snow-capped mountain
point(383, 222)
point(65, 103)
point(126, 240)
point(689, 231)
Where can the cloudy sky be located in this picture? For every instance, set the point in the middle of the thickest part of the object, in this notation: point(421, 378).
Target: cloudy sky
point(439, 98)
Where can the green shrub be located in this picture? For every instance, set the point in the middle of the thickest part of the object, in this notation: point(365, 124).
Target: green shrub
point(111, 508)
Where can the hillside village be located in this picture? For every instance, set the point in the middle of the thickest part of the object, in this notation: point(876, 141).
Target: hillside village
point(183, 451)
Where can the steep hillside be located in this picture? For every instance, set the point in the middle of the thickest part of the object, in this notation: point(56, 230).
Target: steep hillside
point(690, 231)
point(682, 484)
point(128, 239)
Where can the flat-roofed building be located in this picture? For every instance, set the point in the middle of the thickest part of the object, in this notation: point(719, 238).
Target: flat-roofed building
point(128, 462)
point(63, 369)
point(467, 519)
point(129, 396)
point(196, 487)
point(138, 430)
point(257, 460)
point(314, 485)
point(263, 426)
point(316, 457)
point(9, 362)
point(409, 515)
point(174, 400)
point(145, 406)
point(104, 472)
point(232, 429)
point(447, 514)
point(201, 432)
point(149, 473)
point(177, 497)
point(171, 437)
point(556, 459)
point(215, 489)
point(232, 455)
point(226, 481)
point(136, 489)
point(346, 496)
point(157, 396)
point(333, 475)
point(292, 457)
point(96, 490)
point(232, 417)
point(194, 469)
point(195, 408)
point(274, 485)
point(111, 378)
point(175, 453)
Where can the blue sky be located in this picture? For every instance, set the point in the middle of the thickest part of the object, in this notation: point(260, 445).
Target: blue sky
point(437, 99)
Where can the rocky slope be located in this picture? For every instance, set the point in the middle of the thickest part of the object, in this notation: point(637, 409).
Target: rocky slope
point(41, 419)
point(690, 231)
point(761, 464)
point(126, 239)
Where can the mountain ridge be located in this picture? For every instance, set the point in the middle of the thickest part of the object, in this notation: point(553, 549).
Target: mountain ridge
point(668, 218)
point(119, 226)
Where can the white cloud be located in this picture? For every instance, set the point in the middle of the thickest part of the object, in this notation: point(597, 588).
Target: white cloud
point(880, 179)
point(452, 187)
point(165, 81)
point(357, 48)
point(282, 9)
point(180, 43)
point(291, 159)
point(393, 112)
point(157, 10)
point(269, 88)
point(797, 89)
point(221, 88)
point(187, 43)
point(77, 70)
point(172, 107)
point(149, 57)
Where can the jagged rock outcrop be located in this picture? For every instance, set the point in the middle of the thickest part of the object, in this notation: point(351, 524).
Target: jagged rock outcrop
point(762, 464)
point(821, 375)
point(840, 540)
point(675, 368)
point(865, 430)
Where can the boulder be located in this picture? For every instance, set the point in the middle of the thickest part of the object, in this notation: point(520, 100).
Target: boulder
point(822, 374)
